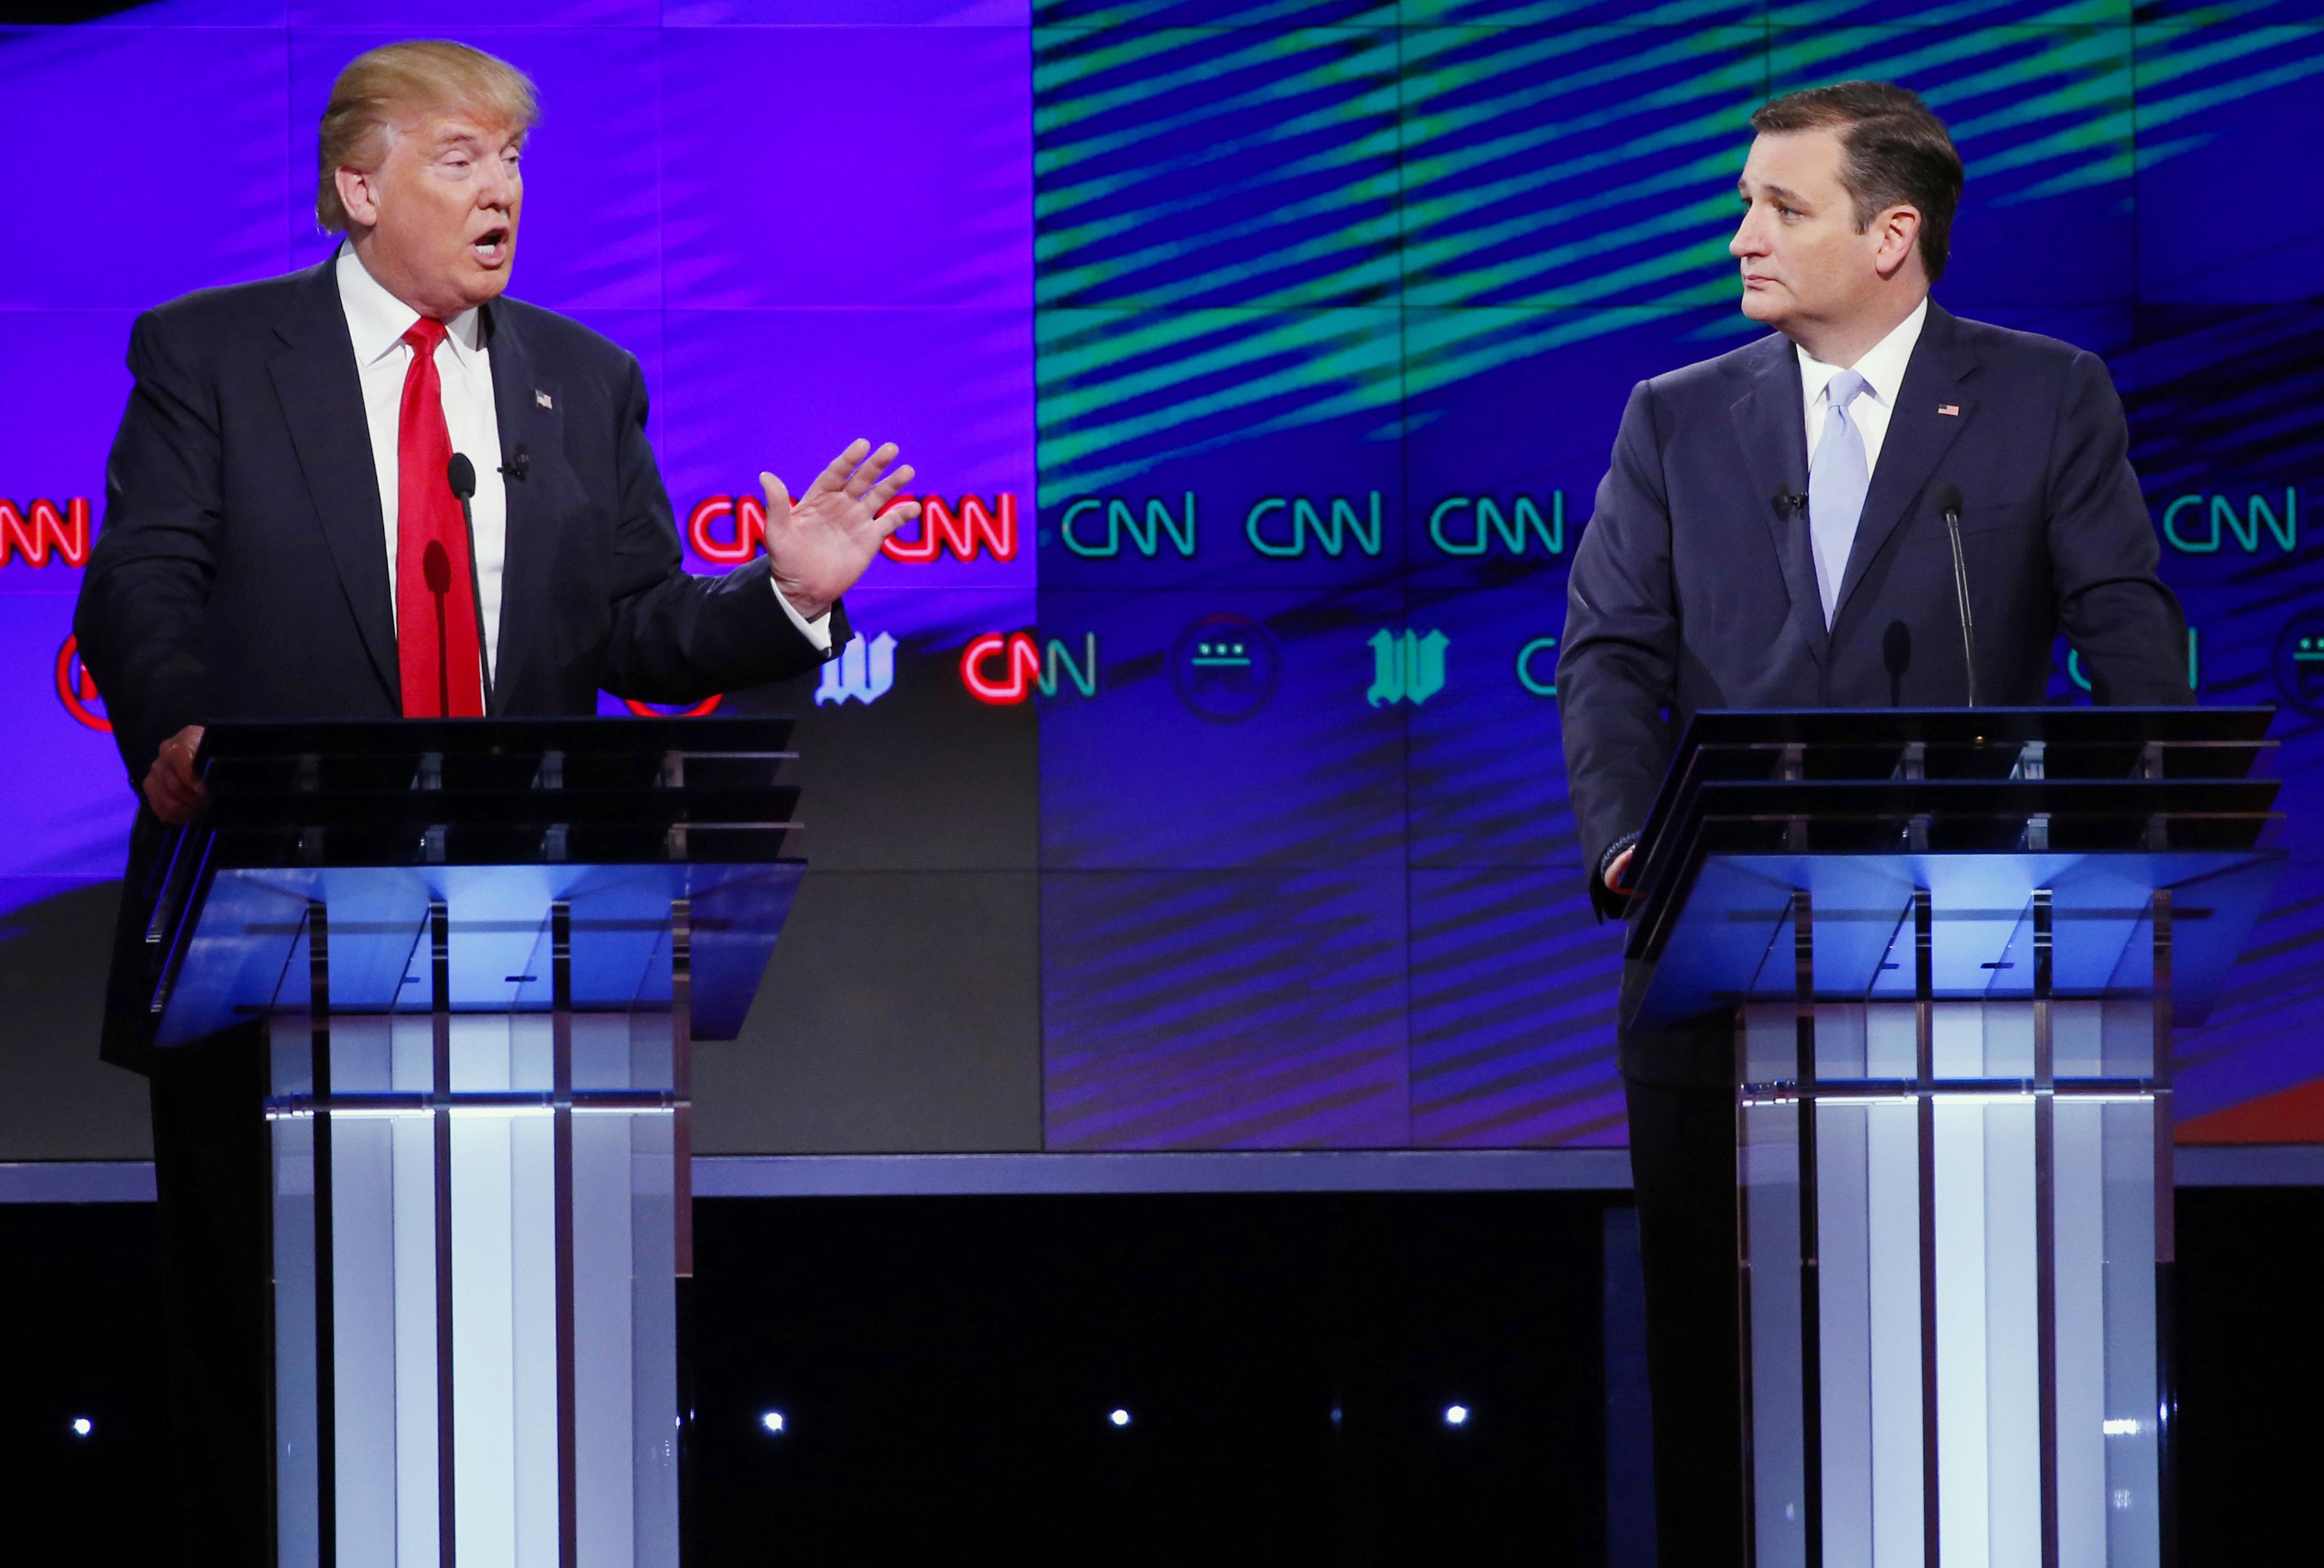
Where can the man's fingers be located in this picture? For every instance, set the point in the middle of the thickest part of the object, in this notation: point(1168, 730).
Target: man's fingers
point(885, 491)
point(896, 516)
point(176, 761)
point(778, 500)
point(173, 801)
point(863, 478)
point(170, 785)
point(835, 478)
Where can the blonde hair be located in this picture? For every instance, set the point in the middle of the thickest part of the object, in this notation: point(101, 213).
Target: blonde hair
point(392, 83)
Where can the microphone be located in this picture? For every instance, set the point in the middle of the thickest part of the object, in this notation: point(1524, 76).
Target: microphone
point(518, 466)
point(462, 473)
point(1896, 653)
point(1790, 502)
point(1949, 500)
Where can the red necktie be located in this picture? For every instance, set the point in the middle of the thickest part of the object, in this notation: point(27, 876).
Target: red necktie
point(435, 591)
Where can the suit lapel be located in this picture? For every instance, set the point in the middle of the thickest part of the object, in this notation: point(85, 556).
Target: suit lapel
point(322, 402)
point(1771, 426)
point(1918, 437)
point(528, 429)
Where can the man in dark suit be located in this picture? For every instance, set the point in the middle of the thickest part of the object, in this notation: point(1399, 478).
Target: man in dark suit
point(1771, 534)
point(282, 539)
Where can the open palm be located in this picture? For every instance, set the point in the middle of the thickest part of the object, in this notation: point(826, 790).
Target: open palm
point(820, 544)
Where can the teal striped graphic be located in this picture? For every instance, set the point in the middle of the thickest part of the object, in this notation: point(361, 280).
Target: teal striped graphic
point(1245, 229)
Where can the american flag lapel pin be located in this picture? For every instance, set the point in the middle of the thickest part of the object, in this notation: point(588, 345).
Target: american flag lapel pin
point(1952, 409)
point(543, 397)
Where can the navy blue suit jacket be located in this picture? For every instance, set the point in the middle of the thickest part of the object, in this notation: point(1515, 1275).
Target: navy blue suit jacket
point(241, 572)
point(1692, 587)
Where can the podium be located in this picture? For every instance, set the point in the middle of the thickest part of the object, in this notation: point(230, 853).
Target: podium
point(1954, 943)
point(480, 951)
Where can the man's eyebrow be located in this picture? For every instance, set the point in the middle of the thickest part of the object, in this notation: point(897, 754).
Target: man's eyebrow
point(471, 137)
point(1779, 193)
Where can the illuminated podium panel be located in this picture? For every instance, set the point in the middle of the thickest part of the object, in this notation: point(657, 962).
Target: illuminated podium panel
point(1954, 946)
point(480, 951)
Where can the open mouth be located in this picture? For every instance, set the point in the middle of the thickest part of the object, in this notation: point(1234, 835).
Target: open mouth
point(491, 247)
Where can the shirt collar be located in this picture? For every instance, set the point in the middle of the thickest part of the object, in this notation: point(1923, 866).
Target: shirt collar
point(1882, 366)
point(377, 320)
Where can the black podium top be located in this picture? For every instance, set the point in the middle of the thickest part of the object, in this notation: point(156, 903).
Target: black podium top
point(497, 819)
point(495, 792)
point(1966, 801)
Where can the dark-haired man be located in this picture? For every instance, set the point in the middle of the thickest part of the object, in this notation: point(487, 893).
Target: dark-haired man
point(1769, 517)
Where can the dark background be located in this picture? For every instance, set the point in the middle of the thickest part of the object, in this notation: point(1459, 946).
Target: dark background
point(945, 1366)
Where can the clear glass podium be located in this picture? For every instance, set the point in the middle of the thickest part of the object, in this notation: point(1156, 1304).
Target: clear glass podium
point(480, 950)
point(1954, 943)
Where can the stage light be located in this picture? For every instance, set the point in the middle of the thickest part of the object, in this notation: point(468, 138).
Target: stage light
point(1456, 1416)
point(772, 1421)
point(1335, 1414)
point(82, 1426)
point(2126, 1427)
point(1119, 1417)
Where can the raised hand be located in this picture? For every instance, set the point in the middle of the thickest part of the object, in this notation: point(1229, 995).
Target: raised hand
point(819, 546)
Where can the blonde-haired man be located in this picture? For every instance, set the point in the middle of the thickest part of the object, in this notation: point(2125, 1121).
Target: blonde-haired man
point(282, 539)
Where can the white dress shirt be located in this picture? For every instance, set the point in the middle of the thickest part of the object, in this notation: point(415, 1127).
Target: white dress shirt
point(376, 323)
point(1883, 370)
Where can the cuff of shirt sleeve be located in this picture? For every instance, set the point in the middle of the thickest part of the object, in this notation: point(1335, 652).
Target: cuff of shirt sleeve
point(817, 630)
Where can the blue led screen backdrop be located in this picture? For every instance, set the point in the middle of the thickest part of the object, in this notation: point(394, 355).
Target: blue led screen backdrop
point(1261, 363)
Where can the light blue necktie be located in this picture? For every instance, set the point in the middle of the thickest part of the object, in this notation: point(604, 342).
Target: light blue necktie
point(1837, 481)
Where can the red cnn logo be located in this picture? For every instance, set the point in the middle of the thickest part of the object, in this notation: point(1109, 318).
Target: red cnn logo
point(77, 691)
point(749, 529)
point(644, 711)
point(729, 529)
point(1006, 681)
point(941, 529)
point(44, 529)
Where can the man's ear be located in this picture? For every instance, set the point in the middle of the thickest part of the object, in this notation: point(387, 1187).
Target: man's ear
point(358, 193)
point(1898, 231)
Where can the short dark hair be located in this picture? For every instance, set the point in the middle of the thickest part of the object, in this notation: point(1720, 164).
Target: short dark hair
point(1895, 151)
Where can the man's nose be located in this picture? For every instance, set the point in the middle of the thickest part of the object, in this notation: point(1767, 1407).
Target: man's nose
point(499, 187)
point(1746, 241)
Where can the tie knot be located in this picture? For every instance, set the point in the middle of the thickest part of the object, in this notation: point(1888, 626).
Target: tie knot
point(424, 334)
point(1842, 389)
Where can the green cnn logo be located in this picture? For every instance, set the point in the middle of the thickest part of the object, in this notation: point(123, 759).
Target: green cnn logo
point(1407, 668)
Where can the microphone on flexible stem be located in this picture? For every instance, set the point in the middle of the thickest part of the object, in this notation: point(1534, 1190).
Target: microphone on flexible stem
point(1948, 501)
point(463, 476)
point(436, 567)
point(1897, 654)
